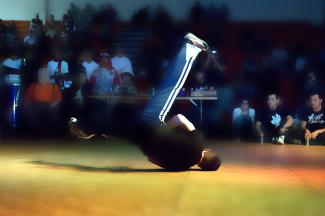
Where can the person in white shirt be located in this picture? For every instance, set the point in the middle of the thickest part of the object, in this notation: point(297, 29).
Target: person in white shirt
point(243, 118)
point(57, 65)
point(121, 63)
point(104, 79)
point(58, 68)
point(13, 61)
point(89, 64)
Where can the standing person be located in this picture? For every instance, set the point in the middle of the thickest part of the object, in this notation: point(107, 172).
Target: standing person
point(105, 78)
point(121, 63)
point(273, 122)
point(42, 104)
point(89, 64)
point(313, 122)
point(13, 61)
point(171, 143)
point(58, 69)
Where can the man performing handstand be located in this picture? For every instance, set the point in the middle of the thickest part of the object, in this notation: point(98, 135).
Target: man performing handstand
point(173, 144)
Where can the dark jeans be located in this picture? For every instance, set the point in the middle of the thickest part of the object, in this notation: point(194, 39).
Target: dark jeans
point(243, 128)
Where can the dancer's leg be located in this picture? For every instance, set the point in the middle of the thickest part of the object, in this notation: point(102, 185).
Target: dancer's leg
point(156, 110)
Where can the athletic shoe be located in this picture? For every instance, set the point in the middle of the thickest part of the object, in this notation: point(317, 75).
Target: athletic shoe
point(189, 37)
point(280, 140)
point(75, 131)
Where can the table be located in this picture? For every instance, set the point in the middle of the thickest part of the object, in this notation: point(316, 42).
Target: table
point(110, 98)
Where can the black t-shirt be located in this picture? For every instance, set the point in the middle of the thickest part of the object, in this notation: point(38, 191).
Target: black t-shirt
point(272, 120)
point(315, 120)
point(174, 149)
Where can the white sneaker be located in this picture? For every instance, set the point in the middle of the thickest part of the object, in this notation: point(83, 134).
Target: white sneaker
point(196, 41)
point(280, 140)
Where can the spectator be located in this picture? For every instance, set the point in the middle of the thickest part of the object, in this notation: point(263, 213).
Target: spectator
point(76, 101)
point(36, 24)
point(43, 91)
point(58, 69)
point(3, 33)
point(273, 122)
point(31, 39)
point(104, 79)
point(89, 64)
point(313, 121)
point(121, 63)
point(13, 61)
point(243, 118)
point(57, 65)
point(127, 86)
point(79, 90)
point(42, 102)
point(51, 27)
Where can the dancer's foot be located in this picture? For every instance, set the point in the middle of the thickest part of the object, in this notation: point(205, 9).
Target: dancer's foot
point(196, 41)
point(77, 132)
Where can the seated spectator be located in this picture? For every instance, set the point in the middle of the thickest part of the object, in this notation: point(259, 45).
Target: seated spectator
point(104, 79)
point(76, 97)
point(80, 89)
point(89, 64)
point(313, 121)
point(243, 118)
point(58, 68)
point(273, 122)
point(127, 86)
point(121, 63)
point(41, 102)
point(13, 61)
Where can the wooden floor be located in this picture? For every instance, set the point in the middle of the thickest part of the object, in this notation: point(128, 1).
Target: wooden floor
point(99, 178)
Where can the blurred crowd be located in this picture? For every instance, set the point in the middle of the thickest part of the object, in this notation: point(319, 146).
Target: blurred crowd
point(62, 68)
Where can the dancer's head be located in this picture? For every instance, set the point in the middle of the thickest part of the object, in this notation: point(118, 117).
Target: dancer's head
point(179, 149)
point(209, 161)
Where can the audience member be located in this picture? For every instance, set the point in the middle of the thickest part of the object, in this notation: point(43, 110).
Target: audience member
point(313, 120)
point(89, 64)
point(42, 102)
point(58, 69)
point(243, 118)
point(51, 27)
point(13, 61)
point(127, 86)
point(121, 63)
point(273, 122)
point(104, 79)
point(76, 97)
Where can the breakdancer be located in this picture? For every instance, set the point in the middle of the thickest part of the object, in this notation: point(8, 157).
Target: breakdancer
point(172, 144)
